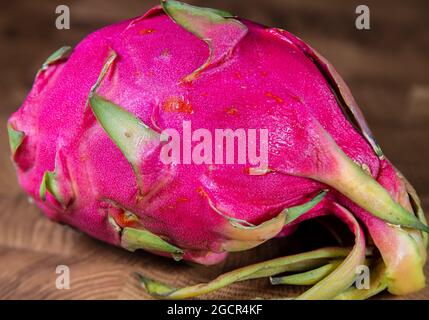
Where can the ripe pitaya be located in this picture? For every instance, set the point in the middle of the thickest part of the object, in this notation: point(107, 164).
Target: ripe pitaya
point(87, 141)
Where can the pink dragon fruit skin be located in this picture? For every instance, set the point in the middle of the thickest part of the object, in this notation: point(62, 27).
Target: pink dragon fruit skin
point(86, 146)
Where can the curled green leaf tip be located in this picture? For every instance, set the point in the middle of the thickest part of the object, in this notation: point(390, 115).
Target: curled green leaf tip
point(58, 55)
point(294, 213)
point(172, 4)
point(125, 129)
point(133, 239)
point(49, 183)
point(204, 23)
point(15, 138)
point(106, 67)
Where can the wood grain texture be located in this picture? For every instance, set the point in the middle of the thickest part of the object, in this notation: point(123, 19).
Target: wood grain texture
point(386, 69)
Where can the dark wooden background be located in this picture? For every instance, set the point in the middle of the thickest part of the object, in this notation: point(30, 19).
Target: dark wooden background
point(386, 68)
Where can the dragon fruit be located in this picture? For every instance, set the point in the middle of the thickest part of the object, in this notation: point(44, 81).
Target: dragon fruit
point(86, 145)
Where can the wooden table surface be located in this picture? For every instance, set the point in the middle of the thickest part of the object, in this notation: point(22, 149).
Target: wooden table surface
point(386, 68)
